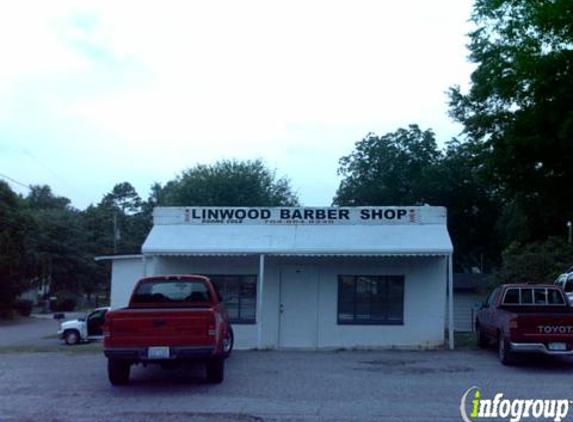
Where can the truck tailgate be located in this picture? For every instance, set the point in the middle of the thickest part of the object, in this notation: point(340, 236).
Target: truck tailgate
point(538, 327)
point(161, 327)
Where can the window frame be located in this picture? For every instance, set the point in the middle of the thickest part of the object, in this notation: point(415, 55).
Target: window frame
point(492, 298)
point(367, 322)
point(220, 292)
point(533, 288)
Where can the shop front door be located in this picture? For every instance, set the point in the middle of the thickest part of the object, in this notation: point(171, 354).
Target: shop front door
point(298, 307)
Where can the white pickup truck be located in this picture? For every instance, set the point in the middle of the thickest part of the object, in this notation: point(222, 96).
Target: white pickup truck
point(83, 329)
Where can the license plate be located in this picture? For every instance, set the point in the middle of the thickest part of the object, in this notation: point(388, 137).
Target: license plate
point(158, 353)
point(556, 346)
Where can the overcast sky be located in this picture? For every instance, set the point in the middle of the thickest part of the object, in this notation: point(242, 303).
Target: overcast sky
point(96, 93)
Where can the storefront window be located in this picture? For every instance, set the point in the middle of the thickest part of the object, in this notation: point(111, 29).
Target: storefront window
point(239, 293)
point(370, 300)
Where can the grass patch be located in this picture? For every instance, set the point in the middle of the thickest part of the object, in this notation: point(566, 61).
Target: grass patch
point(465, 341)
point(51, 337)
point(5, 322)
point(56, 348)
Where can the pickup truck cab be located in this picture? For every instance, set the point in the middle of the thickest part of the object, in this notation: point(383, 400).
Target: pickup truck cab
point(170, 320)
point(83, 329)
point(523, 318)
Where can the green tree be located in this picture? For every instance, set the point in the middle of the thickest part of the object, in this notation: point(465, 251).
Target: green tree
point(537, 262)
point(520, 107)
point(57, 247)
point(124, 197)
point(406, 168)
point(14, 237)
point(132, 219)
point(226, 183)
point(459, 181)
point(388, 170)
point(41, 197)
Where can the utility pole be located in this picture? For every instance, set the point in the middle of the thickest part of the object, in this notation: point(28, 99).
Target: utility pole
point(114, 232)
point(569, 228)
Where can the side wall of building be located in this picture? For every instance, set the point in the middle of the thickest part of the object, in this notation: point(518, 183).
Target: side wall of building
point(124, 274)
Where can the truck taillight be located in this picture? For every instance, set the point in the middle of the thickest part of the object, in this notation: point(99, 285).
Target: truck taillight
point(513, 323)
point(212, 328)
point(106, 330)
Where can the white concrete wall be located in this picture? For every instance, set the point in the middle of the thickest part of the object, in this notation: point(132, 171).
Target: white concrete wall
point(466, 304)
point(124, 274)
point(424, 297)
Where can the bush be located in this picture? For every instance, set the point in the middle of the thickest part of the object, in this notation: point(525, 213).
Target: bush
point(66, 305)
point(66, 301)
point(6, 313)
point(533, 263)
point(24, 307)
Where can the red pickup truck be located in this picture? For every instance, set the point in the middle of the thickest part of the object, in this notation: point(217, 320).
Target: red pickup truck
point(522, 318)
point(170, 320)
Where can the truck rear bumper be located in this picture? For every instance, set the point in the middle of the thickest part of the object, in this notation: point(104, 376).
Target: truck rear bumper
point(140, 354)
point(538, 348)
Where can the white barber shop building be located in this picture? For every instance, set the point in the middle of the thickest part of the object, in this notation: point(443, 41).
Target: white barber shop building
point(309, 277)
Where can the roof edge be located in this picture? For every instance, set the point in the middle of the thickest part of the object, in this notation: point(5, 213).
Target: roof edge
point(117, 257)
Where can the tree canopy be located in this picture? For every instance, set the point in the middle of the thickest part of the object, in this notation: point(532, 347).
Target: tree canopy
point(14, 237)
point(387, 170)
point(520, 106)
point(227, 183)
point(406, 167)
point(45, 241)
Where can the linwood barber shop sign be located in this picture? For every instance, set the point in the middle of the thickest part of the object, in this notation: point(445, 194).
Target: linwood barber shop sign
point(297, 215)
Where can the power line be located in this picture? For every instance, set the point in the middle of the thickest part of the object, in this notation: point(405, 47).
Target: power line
point(15, 181)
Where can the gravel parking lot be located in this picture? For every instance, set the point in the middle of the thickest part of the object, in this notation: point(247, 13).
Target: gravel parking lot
point(268, 386)
point(44, 380)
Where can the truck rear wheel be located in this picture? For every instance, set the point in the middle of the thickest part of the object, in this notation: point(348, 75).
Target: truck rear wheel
point(228, 342)
point(215, 370)
point(504, 353)
point(482, 340)
point(118, 371)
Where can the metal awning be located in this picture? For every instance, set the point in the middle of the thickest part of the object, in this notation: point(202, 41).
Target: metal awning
point(316, 240)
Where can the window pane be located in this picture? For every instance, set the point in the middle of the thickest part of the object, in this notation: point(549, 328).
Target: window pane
point(168, 291)
point(527, 296)
point(239, 293)
point(346, 288)
point(346, 310)
point(511, 297)
point(540, 296)
point(554, 297)
point(370, 299)
point(395, 312)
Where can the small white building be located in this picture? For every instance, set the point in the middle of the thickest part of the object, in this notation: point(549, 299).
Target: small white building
point(309, 277)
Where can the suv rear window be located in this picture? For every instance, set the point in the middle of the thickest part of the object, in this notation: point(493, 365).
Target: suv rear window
point(172, 291)
point(533, 296)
